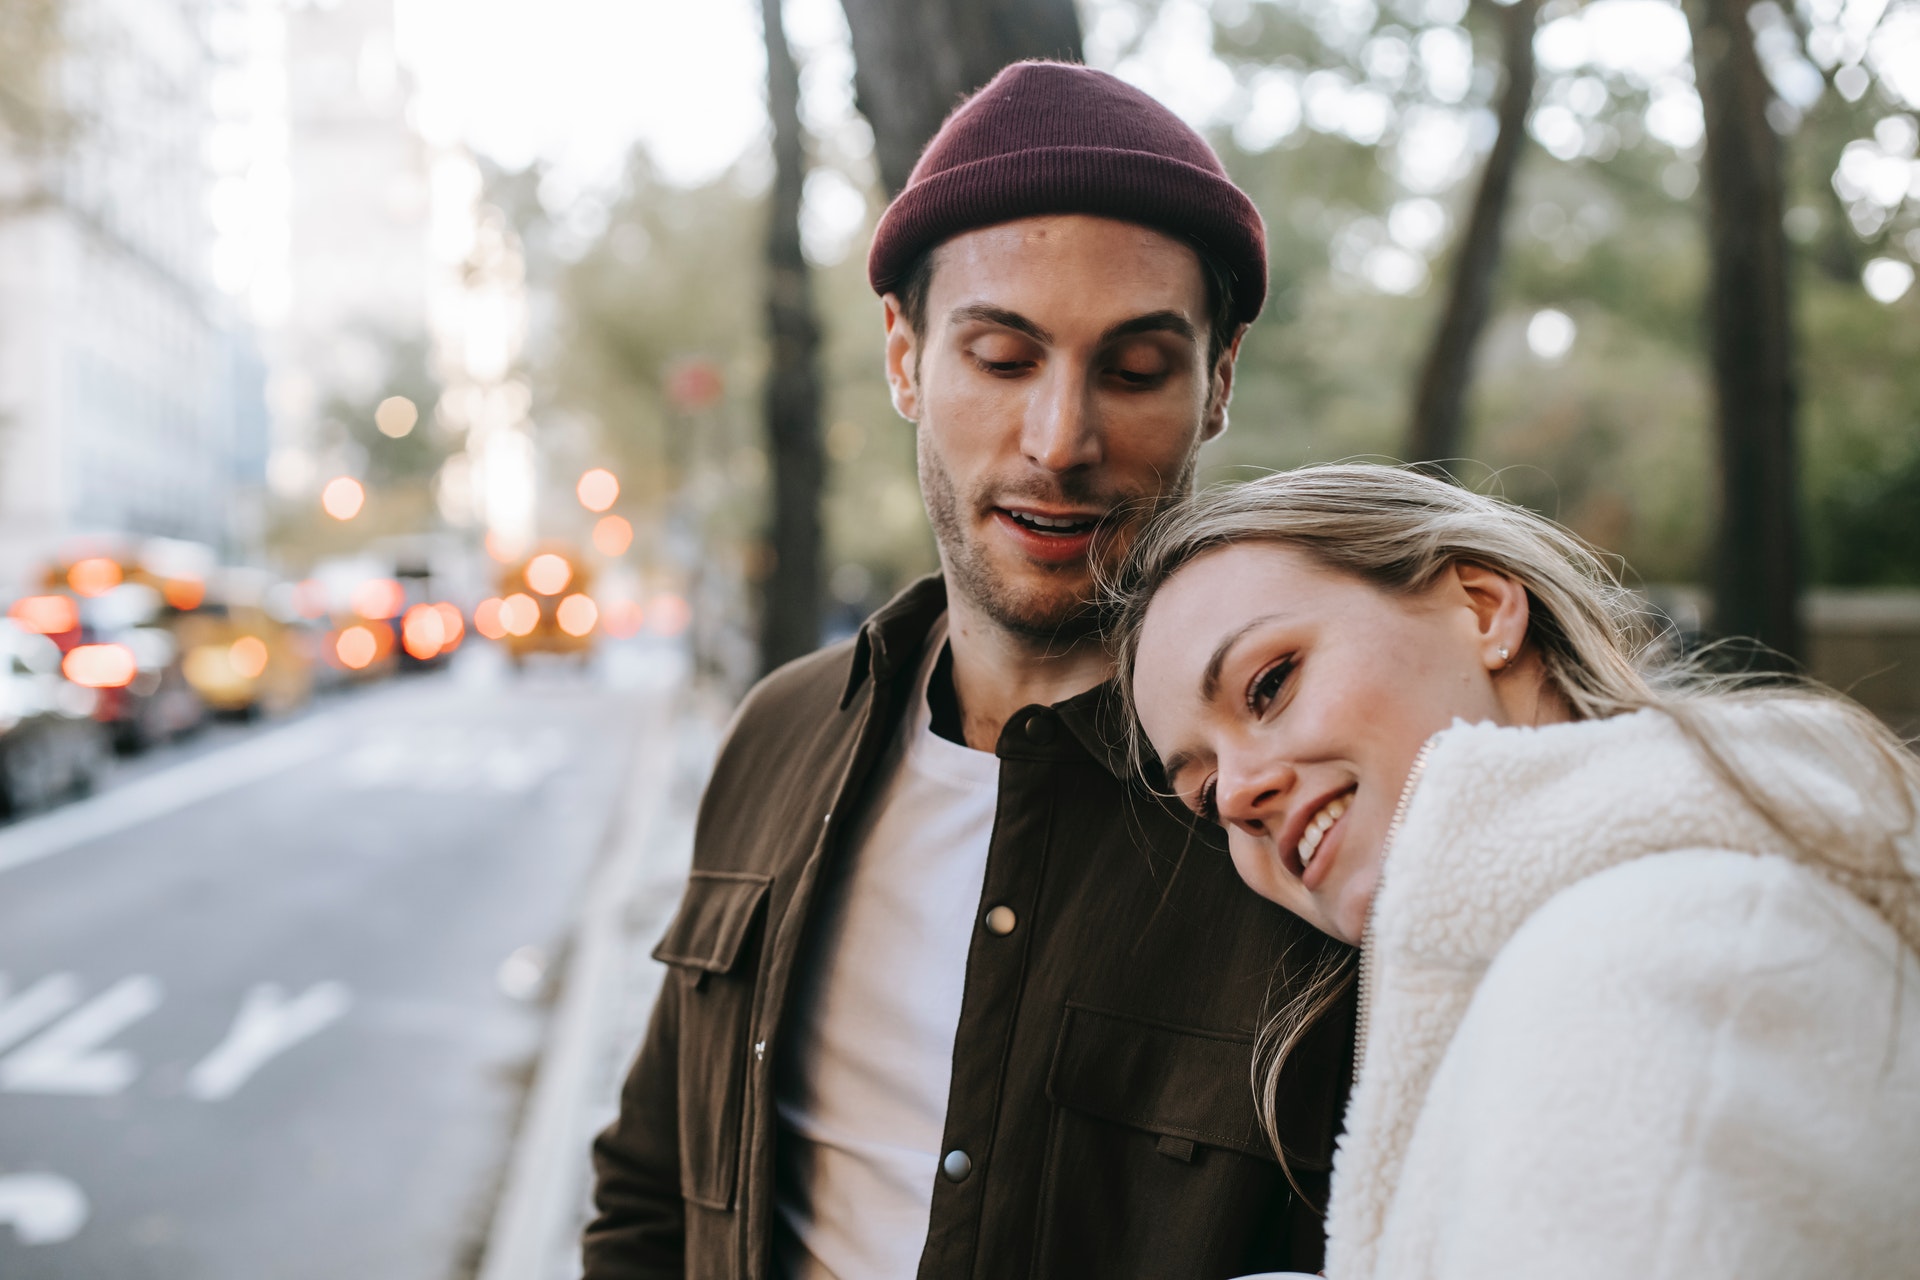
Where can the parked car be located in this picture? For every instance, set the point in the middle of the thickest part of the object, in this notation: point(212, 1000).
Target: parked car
point(50, 743)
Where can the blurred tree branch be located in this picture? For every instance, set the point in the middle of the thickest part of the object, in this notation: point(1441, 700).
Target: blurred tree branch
point(1756, 580)
point(1438, 428)
point(914, 60)
point(790, 586)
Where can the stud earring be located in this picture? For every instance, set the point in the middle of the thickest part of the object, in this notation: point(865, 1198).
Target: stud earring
point(1505, 658)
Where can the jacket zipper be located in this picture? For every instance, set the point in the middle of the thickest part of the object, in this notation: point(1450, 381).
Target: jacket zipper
point(1366, 934)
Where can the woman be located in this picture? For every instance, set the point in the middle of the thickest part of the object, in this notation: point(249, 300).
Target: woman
point(1639, 993)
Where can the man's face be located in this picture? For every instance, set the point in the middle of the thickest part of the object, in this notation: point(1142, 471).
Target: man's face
point(1062, 377)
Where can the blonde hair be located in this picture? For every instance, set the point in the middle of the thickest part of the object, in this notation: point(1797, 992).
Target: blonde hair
point(1398, 529)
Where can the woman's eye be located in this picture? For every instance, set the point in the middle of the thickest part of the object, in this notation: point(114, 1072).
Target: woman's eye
point(1204, 805)
point(1267, 685)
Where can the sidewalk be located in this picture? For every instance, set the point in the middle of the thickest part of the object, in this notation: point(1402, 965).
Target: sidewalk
point(606, 993)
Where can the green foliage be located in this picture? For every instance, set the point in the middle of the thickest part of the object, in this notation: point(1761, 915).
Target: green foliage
point(1616, 437)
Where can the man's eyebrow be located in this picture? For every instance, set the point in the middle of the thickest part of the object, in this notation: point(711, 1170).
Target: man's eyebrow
point(983, 312)
point(1210, 678)
point(1153, 322)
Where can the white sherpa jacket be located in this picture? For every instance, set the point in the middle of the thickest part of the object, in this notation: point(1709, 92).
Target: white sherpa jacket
point(1614, 1027)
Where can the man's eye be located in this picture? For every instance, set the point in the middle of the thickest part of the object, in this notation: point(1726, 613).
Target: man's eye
point(1002, 368)
point(1267, 685)
point(1133, 377)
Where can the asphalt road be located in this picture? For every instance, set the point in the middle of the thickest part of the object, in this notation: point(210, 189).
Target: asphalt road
point(266, 1011)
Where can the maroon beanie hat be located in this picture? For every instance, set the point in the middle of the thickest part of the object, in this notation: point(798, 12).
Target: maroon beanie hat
point(1051, 137)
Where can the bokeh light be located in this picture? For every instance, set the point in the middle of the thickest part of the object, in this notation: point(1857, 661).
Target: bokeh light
point(248, 655)
point(453, 626)
point(486, 618)
point(100, 666)
point(597, 489)
point(577, 614)
point(396, 416)
point(379, 598)
point(1550, 334)
point(669, 614)
point(622, 619)
point(423, 633)
point(519, 614)
point(549, 574)
point(94, 576)
point(183, 593)
point(310, 598)
point(612, 535)
point(356, 648)
point(46, 615)
point(343, 497)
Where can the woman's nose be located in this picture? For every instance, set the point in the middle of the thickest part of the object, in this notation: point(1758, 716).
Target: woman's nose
point(1252, 795)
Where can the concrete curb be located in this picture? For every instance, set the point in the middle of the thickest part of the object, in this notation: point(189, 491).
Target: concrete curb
point(535, 1230)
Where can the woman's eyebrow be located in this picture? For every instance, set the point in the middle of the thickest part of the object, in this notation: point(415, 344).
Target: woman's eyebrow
point(1210, 678)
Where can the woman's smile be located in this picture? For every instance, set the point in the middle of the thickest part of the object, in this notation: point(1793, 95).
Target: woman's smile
point(1286, 699)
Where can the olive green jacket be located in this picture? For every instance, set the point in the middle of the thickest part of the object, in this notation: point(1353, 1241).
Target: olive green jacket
point(1101, 1067)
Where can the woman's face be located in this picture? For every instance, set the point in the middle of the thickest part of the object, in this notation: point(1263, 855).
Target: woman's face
point(1288, 703)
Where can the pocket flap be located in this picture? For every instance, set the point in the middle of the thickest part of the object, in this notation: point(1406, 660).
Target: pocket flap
point(713, 920)
point(1178, 1082)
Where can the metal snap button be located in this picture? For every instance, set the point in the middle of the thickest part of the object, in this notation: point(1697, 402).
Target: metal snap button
point(1040, 729)
point(1001, 921)
point(956, 1166)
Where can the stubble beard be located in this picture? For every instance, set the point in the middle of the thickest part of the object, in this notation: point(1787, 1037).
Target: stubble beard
point(1056, 608)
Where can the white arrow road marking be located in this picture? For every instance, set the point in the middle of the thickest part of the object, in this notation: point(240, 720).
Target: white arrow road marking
point(44, 1208)
point(68, 1058)
point(267, 1024)
point(38, 1005)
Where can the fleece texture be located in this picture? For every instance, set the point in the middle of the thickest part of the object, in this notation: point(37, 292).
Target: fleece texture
point(1617, 1025)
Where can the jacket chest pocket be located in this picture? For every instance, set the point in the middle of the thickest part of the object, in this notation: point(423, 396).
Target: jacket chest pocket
point(712, 948)
point(1156, 1163)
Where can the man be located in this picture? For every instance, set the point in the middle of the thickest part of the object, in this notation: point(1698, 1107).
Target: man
point(950, 994)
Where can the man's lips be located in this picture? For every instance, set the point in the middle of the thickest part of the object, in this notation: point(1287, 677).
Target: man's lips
point(1052, 535)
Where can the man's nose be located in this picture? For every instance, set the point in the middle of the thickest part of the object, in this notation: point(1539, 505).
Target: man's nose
point(1062, 429)
point(1253, 794)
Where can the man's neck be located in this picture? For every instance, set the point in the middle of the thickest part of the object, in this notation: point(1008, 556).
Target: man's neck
point(996, 672)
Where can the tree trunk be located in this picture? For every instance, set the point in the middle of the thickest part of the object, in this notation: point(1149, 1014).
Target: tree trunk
point(1756, 581)
point(790, 590)
point(914, 60)
point(1438, 429)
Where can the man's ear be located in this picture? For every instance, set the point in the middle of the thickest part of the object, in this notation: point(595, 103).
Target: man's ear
point(903, 360)
point(1220, 387)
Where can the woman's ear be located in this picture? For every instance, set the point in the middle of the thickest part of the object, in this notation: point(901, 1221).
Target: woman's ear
point(1500, 609)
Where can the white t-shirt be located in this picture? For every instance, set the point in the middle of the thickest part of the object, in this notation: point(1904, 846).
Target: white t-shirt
point(861, 1089)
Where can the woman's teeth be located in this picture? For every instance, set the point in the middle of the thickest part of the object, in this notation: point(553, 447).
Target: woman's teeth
point(1329, 814)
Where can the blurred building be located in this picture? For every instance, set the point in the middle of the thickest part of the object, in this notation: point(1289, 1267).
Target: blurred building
point(357, 226)
point(131, 393)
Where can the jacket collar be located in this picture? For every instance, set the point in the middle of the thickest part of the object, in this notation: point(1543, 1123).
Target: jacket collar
point(894, 636)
